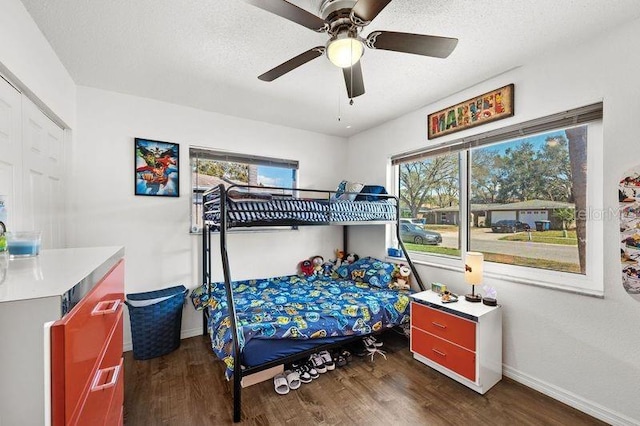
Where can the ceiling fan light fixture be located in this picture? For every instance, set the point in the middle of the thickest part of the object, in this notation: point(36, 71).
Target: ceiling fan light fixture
point(344, 51)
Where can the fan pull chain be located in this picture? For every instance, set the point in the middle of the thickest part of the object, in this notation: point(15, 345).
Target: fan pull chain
point(351, 72)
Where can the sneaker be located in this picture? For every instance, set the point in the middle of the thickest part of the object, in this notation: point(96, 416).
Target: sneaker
point(305, 377)
point(304, 370)
point(318, 363)
point(371, 342)
point(308, 366)
point(327, 361)
point(338, 359)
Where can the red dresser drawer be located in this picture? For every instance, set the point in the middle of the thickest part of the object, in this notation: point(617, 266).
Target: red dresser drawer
point(80, 344)
point(115, 415)
point(448, 355)
point(454, 329)
point(107, 386)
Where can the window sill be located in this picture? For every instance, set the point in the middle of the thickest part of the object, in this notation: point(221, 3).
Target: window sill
point(501, 272)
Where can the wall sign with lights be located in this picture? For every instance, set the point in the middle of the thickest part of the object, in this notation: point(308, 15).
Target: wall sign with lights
point(482, 109)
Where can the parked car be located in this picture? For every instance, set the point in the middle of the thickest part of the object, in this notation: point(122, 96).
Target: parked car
point(510, 226)
point(412, 233)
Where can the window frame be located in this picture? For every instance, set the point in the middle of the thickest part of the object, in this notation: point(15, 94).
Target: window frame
point(592, 282)
point(213, 154)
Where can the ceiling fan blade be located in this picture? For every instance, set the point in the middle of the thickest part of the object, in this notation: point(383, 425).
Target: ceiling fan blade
point(366, 10)
point(419, 44)
point(292, 64)
point(291, 12)
point(353, 80)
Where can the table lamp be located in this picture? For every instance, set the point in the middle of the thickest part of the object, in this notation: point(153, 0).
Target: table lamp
point(473, 274)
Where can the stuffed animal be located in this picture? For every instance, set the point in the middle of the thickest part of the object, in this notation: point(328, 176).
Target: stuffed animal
point(339, 258)
point(401, 278)
point(306, 268)
point(351, 258)
point(327, 268)
point(317, 262)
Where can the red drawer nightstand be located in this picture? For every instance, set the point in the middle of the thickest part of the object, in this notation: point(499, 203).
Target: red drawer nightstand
point(462, 340)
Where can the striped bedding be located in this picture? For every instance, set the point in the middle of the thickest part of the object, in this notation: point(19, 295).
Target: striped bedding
point(277, 211)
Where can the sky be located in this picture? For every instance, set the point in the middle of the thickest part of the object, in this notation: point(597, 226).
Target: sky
point(275, 176)
point(538, 142)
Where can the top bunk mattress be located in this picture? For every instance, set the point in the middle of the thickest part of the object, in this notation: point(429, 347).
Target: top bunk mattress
point(296, 210)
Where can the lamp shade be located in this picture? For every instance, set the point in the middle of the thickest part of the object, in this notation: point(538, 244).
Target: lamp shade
point(473, 268)
point(344, 51)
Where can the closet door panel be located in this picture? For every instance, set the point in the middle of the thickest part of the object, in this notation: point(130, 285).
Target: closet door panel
point(11, 152)
point(42, 165)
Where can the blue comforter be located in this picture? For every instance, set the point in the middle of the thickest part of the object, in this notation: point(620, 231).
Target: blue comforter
point(297, 307)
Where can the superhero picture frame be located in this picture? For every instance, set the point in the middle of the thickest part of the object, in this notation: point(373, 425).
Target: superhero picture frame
point(156, 168)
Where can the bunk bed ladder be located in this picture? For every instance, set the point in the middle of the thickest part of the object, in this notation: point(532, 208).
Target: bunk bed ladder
point(414, 271)
point(206, 268)
point(237, 358)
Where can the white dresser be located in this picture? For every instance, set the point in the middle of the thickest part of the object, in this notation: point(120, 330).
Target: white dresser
point(462, 340)
point(33, 292)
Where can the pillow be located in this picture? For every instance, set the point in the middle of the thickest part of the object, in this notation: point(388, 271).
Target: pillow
point(372, 271)
point(353, 187)
point(366, 194)
point(342, 187)
point(344, 270)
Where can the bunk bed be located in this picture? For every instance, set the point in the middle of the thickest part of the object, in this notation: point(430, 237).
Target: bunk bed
point(229, 306)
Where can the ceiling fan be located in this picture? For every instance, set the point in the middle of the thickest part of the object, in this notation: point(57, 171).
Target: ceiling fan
point(343, 20)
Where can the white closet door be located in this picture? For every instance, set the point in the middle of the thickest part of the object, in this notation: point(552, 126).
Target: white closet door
point(42, 148)
point(11, 152)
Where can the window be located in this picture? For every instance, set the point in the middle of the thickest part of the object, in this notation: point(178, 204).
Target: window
point(430, 189)
point(510, 179)
point(211, 168)
point(528, 196)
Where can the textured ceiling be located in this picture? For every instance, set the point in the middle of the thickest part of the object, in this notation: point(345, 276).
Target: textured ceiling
point(207, 54)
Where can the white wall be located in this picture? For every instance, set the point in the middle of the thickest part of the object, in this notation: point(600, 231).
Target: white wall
point(155, 230)
point(582, 350)
point(29, 58)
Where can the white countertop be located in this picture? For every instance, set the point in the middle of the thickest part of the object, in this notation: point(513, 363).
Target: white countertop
point(52, 272)
point(470, 308)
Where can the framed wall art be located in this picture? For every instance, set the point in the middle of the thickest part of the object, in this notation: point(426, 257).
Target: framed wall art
point(482, 109)
point(157, 168)
point(629, 210)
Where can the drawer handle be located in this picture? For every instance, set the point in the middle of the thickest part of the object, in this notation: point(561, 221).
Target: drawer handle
point(106, 307)
point(437, 324)
point(438, 352)
point(98, 378)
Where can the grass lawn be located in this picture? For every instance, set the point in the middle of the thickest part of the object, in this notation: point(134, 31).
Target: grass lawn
point(440, 228)
point(534, 263)
point(432, 249)
point(501, 258)
point(548, 237)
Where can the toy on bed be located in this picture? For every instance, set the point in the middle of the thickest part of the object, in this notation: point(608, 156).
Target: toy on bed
point(327, 268)
point(351, 258)
point(306, 268)
point(317, 262)
point(339, 259)
point(401, 278)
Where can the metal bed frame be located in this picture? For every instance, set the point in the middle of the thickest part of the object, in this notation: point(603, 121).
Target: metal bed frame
point(208, 228)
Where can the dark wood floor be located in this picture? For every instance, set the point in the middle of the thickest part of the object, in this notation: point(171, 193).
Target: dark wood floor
point(187, 387)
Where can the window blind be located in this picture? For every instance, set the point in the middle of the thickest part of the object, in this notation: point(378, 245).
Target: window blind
point(568, 118)
point(207, 154)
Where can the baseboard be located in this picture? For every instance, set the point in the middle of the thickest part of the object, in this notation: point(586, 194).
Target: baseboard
point(184, 334)
point(589, 407)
